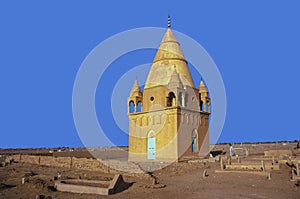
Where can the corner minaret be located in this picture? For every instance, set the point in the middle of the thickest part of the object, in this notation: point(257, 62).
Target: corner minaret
point(135, 99)
point(204, 97)
point(166, 119)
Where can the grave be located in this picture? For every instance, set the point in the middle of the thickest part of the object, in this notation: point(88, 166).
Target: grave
point(92, 186)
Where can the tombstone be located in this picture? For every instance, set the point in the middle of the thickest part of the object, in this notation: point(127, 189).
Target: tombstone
point(204, 173)
point(269, 176)
point(57, 177)
point(71, 162)
point(222, 164)
point(153, 181)
point(263, 165)
point(247, 151)
point(229, 161)
point(24, 180)
point(292, 178)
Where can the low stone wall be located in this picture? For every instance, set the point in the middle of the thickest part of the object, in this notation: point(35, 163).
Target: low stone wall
point(278, 153)
point(66, 162)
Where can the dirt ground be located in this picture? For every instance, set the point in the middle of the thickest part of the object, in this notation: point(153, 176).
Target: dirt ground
point(178, 180)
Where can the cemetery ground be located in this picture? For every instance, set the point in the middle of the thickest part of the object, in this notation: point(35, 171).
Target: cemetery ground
point(268, 170)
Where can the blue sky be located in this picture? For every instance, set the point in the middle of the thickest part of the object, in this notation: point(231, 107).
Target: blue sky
point(255, 45)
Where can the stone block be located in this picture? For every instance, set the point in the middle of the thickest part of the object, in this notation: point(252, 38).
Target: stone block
point(92, 186)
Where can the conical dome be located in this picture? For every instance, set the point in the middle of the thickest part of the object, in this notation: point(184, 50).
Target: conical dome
point(167, 56)
point(135, 91)
point(202, 87)
point(169, 48)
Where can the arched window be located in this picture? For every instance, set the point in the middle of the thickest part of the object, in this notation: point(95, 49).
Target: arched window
point(201, 105)
point(131, 107)
point(171, 99)
point(180, 99)
point(194, 141)
point(139, 107)
point(186, 99)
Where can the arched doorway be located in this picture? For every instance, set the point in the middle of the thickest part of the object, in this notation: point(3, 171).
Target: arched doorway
point(195, 141)
point(151, 147)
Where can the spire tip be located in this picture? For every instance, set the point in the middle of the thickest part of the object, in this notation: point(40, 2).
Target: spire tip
point(169, 21)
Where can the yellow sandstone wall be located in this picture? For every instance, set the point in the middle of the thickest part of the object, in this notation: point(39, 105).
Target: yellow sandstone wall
point(173, 130)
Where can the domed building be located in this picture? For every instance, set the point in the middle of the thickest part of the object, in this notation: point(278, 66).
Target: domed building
point(169, 118)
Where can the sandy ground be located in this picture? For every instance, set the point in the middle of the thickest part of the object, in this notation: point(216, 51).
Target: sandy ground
point(181, 180)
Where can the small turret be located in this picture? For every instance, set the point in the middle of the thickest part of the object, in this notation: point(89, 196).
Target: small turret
point(204, 101)
point(135, 99)
point(135, 91)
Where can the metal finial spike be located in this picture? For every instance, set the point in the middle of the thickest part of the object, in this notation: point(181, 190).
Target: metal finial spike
point(169, 21)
